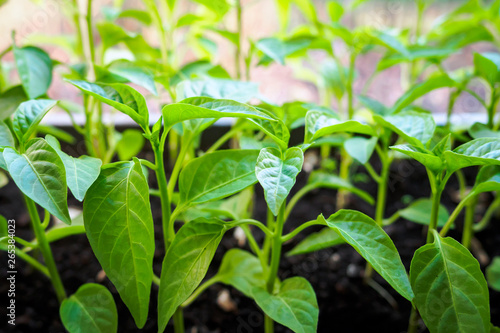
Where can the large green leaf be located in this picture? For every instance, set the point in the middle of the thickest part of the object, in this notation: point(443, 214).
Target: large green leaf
point(320, 123)
point(482, 151)
point(294, 305)
point(242, 270)
point(427, 158)
point(35, 70)
point(28, 116)
point(10, 100)
point(205, 107)
point(238, 91)
point(451, 293)
point(373, 244)
point(186, 264)
point(120, 96)
point(419, 211)
point(217, 175)
point(141, 76)
point(417, 128)
point(91, 309)
point(420, 89)
point(277, 172)
point(361, 149)
point(80, 172)
point(316, 241)
point(39, 173)
point(119, 226)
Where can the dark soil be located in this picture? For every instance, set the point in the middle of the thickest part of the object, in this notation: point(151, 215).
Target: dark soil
point(346, 303)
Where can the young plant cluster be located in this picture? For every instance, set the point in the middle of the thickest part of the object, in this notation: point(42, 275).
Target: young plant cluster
point(205, 194)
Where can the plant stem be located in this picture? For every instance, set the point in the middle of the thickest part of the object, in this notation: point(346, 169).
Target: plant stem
point(239, 30)
point(228, 135)
point(491, 108)
point(469, 223)
point(436, 199)
point(200, 290)
point(455, 214)
point(178, 318)
point(413, 323)
point(44, 246)
point(487, 216)
point(33, 262)
point(168, 230)
point(345, 164)
point(185, 145)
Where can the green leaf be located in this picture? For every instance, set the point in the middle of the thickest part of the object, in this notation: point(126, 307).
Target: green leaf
point(478, 130)
point(80, 172)
point(39, 173)
point(329, 180)
point(417, 128)
point(294, 306)
point(277, 173)
point(317, 241)
point(320, 123)
point(361, 149)
point(217, 175)
point(493, 274)
point(483, 151)
point(422, 155)
point(278, 50)
point(238, 91)
point(488, 179)
point(421, 89)
point(242, 270)
point(335, 10)
point(91, 309)
point(205, 107)
point(389, 41)
point(10, 100)
point(141, 76)
point(140, 15)
point(487, 66)
point(334, 77)
point(374, 105)
point(276, 130)
point(419, 211)
point(119, 226)
point(130, 144)
point(373, 244)
point(28, 116)
point(35, 70)
point(6, 138)
point(120, 96)
point(186, 264)
point(451, 293)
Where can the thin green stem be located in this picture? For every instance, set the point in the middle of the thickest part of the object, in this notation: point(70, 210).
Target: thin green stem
point(376, 177)
point(33, 262)
point(168, 229)
point(436, 199)
point(239, 31)
point(204, 286)
point(255, 223)
point(228, 135)
point(455, 214)
point(297, 230)
point(350, 81)
point(481, 225)
point(413, 322)
point(468, 232)
point(299, 195)
point(178, 318)
point(185, 145)
point(44, 247)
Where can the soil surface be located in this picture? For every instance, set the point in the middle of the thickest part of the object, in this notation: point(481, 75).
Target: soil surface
point(346, 303)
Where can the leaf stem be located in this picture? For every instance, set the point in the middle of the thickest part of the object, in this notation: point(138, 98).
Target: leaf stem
point(468, 232)
point(204, 286)
point(487, 216)
point(44, 246)
point(297, 230)
point(255, 223)
point(455, 214)
point(168, 230)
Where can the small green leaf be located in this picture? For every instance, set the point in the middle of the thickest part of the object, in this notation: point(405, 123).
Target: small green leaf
point(478, 130)
point(482, 151)
point(242, 270)
point(91, 309)
point(10, 100)
point(294, 306)
point(373, 244)
point(335, 10)
point(320, 123)
point(136, 74)
point(278, 50)
point(488, 179)
point(39, 173)
point(276, 130)
point(493, 274)
point(35, 70)
point(217, 175)
point(417, 128)
point(120, 96)
point(119, 226)
point(329, 180)
point(361, 149)
point(28, 116)
point(130, 144)
point(186, 264)
point(205, 107)
point(374, 105)
point(421, 89)
point(317, 241)
point(451, 293)
point(419, 211)
point(422, 155)
point(487, 66)
point(6, 138)
point(80, 172)
point(238, 91)
point(277, 173)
